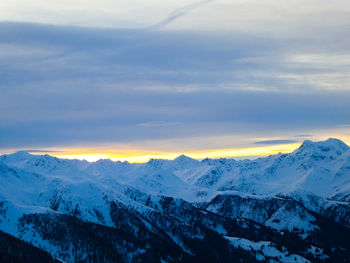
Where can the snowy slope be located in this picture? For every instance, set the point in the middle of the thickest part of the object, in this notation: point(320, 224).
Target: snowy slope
point(322, 168)
point(265, 250)
point(296, 196)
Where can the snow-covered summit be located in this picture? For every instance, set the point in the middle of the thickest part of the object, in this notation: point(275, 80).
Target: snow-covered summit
point(184, 161)
point(328, 147)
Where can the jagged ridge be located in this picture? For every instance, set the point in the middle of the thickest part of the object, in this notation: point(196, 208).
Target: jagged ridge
point(214, 210)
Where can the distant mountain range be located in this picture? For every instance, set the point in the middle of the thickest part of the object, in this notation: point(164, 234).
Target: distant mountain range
point(282, 208)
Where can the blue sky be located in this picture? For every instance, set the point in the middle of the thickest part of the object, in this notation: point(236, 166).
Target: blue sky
point(172, 76)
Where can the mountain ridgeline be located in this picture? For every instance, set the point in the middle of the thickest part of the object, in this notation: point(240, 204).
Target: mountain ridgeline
point(282, 208)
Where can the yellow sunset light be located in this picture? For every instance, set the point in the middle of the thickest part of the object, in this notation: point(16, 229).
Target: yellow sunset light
point(144, 156)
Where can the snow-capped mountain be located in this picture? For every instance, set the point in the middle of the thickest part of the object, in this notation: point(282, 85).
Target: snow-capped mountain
point(282, 208)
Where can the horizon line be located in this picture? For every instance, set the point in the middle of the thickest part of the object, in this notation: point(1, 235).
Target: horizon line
point(144, 156)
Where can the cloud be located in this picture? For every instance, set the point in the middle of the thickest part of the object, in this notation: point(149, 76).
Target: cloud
point(42, 151)
point(274, 142)
point(176, 14)
point(344, 126)
point(303, 135)
point(158, 124)
point(85, 85)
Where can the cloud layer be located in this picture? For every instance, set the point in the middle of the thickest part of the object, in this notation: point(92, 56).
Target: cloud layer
point(72, 86)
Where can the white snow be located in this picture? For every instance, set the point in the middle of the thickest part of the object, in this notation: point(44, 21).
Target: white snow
point(264, 250)
point(297, 220)
point(317, 175)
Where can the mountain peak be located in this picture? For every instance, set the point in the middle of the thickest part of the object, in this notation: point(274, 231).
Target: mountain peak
point(331, 145)
point(183, 160)
point(20, 155)
point(335, 142)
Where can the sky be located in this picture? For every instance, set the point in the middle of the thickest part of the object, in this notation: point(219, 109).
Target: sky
point(133, 80)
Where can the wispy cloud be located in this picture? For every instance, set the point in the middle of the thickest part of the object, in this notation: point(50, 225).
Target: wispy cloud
point(159, 124)
point(180, 12)
point(41, 151)
point(303, 135)
point(344, 125)
point(274, 142)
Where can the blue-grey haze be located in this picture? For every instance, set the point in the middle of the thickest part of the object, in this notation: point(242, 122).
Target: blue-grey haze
point(69, 85)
